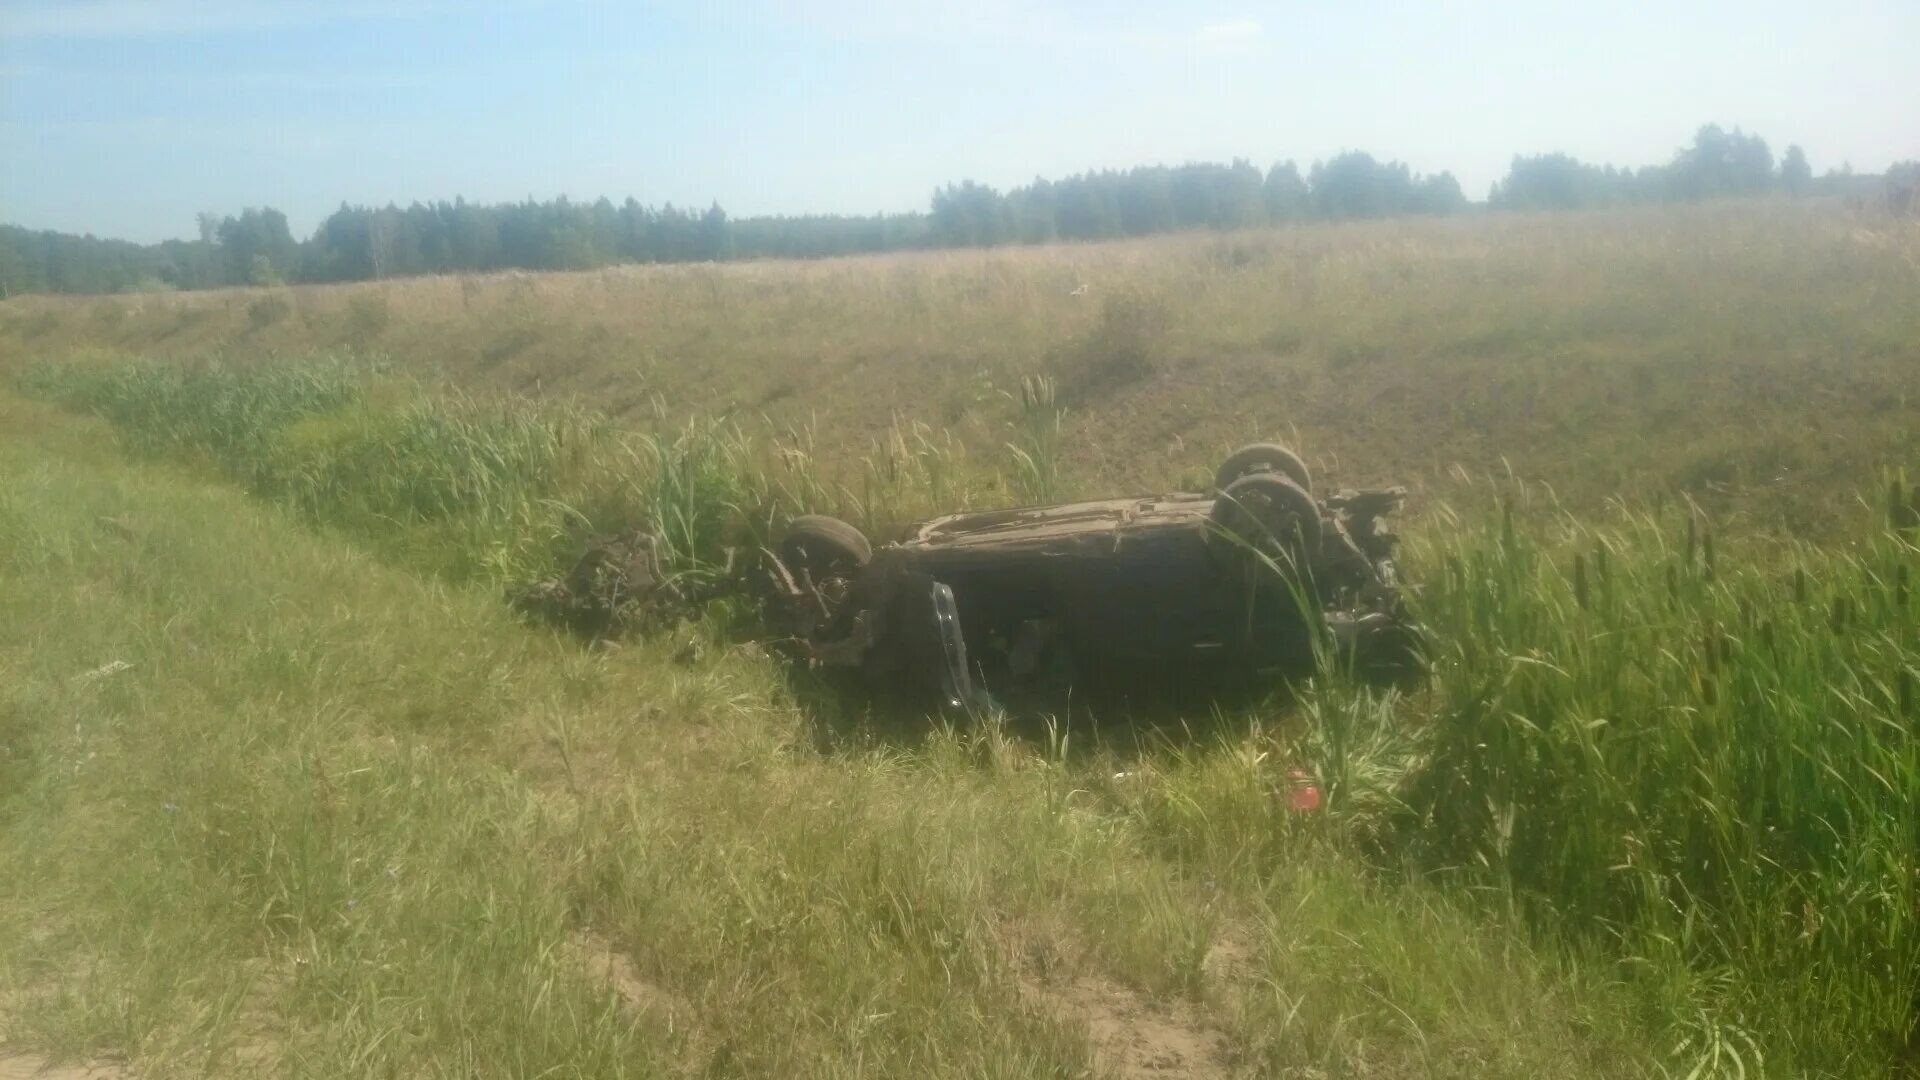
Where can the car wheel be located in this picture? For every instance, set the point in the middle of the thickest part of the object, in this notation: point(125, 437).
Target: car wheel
point(1394, 654)
point(1265, 508)
point(824, 547)
point(1263, 458)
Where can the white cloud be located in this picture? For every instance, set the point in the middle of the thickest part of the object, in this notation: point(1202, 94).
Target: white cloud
point(1234, 37)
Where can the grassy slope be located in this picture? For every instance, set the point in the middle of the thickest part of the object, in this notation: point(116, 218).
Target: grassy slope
point(1675, 754)
point(337, 820)
point(1759, 358)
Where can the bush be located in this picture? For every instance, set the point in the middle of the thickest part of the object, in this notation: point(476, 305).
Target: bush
point(261, 271)
point(266, 311)
point(367, 317)
point(1127, 345)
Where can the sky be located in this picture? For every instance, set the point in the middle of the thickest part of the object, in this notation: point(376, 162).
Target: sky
point(126, 119)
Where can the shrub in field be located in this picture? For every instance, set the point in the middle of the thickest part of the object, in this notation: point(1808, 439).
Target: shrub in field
point(266, 311)
point(366, 318)
point(1127, 344)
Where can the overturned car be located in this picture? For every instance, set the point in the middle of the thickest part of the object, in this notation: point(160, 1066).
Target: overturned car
point(1130, 597)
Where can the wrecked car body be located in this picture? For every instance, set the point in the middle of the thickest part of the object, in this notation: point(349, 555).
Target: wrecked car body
point(1043, 605)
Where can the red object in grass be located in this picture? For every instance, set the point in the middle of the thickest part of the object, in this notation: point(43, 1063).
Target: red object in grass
point(1305, 796)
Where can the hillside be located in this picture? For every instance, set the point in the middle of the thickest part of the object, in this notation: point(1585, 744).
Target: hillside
point(1756, 358)
point(269, 805)
point(285, 786)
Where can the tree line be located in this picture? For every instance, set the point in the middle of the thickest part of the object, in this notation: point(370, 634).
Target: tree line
point(1151, 199)
point(360, 243)
point(1718, 164)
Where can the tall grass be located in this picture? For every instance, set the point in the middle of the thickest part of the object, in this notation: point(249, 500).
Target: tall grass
point(1036, 449)
point(494, 490)
point(505, 490)
point(224, 413)
point(1709, 757)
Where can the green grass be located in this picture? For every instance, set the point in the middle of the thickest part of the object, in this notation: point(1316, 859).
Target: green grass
point(1693, 756)
point(505, 491)
point(464, 488)
point(1713, 758)
point(247, 812)
point(1654, 811)
point(272, 803)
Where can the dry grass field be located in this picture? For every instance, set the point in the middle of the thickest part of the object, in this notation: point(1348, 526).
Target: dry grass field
point(286, 789)
point(1757, 358)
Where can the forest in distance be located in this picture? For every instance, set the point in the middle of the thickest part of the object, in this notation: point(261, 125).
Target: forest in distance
point(362, 243)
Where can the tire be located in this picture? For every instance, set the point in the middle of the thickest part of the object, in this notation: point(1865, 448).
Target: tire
point(1392, 655)
point(824, 546)
point(1263, 508)
point(1263, 458)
